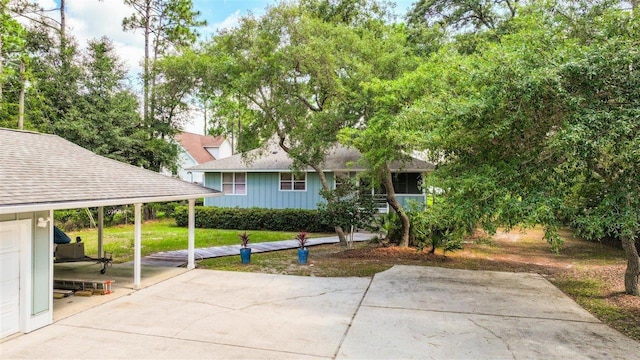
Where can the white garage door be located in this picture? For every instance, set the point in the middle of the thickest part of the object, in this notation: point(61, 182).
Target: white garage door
point(9, 278)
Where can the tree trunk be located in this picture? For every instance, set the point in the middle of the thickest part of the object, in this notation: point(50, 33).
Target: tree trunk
point(63, 25)
point(387, 182)
point(23, 88)
point(1, 68)
point(325, 185)
point(145, 75)
point(633, 266)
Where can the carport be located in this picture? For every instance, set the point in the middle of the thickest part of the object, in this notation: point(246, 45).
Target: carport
point(41, 173)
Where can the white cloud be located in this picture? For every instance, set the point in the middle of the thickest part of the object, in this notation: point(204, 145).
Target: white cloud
point(94, 19)
point(229, 22)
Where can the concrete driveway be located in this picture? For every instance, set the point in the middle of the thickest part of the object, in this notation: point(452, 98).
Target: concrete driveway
point(405, 312)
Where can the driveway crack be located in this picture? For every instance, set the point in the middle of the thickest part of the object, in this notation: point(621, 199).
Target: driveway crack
point(346, 332)
point(513, 355)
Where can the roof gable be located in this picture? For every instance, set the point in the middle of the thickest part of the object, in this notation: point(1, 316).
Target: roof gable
point(46, 169)
point(196, 145)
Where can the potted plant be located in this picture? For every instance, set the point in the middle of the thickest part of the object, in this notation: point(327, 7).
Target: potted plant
point(303, 252)
point(245, 252)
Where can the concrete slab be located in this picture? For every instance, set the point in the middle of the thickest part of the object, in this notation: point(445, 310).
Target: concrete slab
point(404, 313)
point(120, 274)
point(251, 315)
point(434, 313)
point(65, 342)
point(474, 292)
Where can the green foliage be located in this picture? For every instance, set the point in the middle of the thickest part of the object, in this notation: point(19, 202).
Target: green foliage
point(465, 15)
point(167, 27)
point(348, 206)
point(76, 219)
point(256, 219)
point(429, 227)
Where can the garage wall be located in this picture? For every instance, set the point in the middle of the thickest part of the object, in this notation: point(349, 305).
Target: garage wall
point(41, 276)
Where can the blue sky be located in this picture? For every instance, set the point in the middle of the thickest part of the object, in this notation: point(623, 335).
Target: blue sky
point(218, 10)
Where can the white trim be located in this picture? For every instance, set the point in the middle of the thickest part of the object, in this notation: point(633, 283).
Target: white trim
point(137, 245)
point(22, 208)
point(46, 317)
point(191, 264)
point(188, 154)
point(293, 181)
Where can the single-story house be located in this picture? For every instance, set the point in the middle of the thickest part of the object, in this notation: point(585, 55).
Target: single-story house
point(195, 149)
point(264, 179)
point(41, 173)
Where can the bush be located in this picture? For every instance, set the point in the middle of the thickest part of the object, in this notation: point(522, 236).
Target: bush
point(255, 219)
point(429, 228)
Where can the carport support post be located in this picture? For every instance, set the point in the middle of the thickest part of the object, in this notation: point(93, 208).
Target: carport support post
point(191, 264)
point(137, 245)
point(100, 232)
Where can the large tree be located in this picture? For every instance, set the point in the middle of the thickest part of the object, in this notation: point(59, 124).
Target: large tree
point(542, 126)
point(12, 59)
point(463, 15)
point(105, 118)
point(167, 25)
point(383, 137)
point(292, 73)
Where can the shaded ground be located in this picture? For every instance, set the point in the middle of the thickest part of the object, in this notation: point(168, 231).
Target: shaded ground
point(590, 273)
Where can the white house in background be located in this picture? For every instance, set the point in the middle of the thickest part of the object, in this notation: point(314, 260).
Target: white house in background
point(41, 173)
point(198, 149)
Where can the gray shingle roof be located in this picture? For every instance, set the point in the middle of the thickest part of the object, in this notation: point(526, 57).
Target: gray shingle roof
point(274, 159)
point(40, 169)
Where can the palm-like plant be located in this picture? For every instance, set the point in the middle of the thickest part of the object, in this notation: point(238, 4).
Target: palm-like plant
point(244, 239)
point(302, 239)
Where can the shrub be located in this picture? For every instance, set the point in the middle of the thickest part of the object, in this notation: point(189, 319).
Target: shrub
point(255, 219)
point(429, 228)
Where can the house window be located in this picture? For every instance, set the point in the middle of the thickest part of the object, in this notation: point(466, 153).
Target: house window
point(343, 178)
point(407, 183)
point(293, 182)
point(234, 183)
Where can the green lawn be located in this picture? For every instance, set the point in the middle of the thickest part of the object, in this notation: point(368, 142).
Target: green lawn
point(164, 235)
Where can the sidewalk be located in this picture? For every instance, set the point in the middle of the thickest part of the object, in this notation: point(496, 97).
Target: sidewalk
point(178, 258)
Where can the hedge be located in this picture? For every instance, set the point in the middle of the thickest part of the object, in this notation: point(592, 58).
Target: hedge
point(255, 219)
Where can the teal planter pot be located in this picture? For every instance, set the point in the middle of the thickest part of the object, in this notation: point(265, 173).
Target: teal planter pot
point(303, 254)
point(245, 255)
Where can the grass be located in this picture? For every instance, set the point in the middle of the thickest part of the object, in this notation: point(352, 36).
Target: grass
point(164, 235)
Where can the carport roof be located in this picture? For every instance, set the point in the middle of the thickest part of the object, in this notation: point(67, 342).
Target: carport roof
point(43, 172)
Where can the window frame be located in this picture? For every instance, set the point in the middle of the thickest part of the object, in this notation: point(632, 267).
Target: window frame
point(233, 183)
point(292, 182)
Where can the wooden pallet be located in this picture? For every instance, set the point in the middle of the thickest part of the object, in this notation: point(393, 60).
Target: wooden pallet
point(94, 286)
